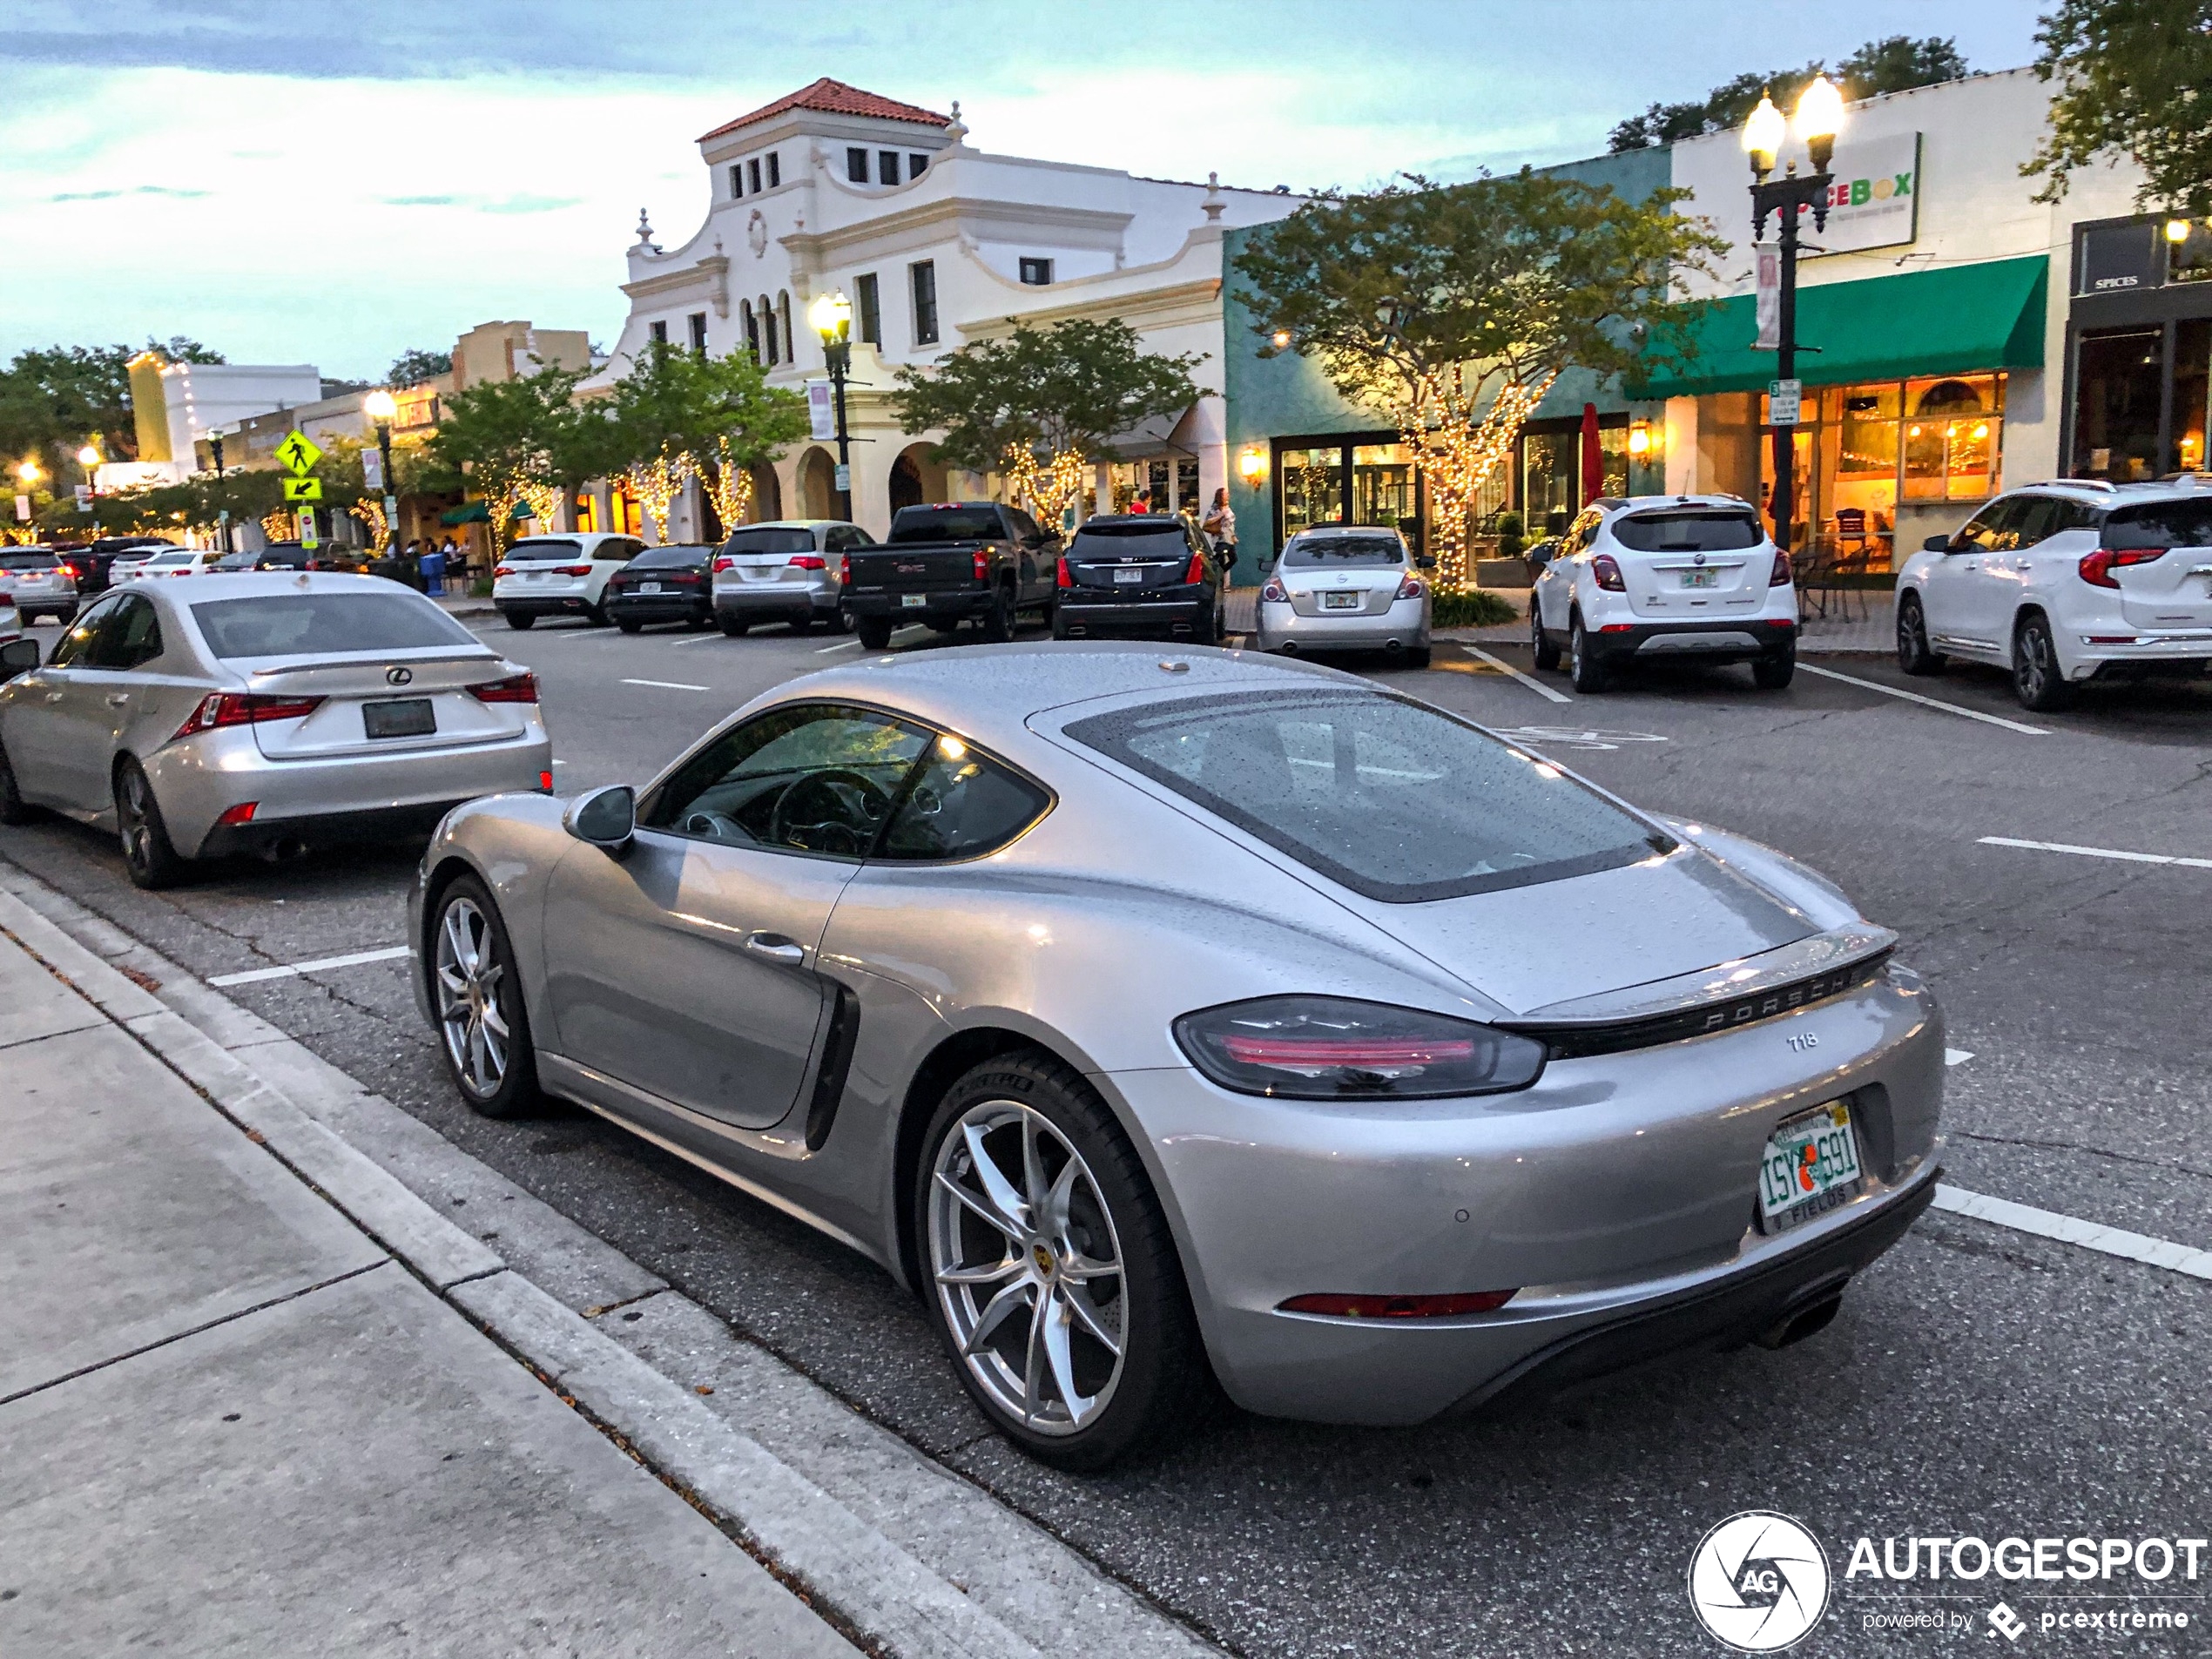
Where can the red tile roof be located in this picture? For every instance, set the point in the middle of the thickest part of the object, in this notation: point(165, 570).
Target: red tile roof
point(835, 97)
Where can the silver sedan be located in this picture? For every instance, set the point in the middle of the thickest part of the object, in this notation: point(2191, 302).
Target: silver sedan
point(262, 712)
point(1154, 1013)
point(1346, 587)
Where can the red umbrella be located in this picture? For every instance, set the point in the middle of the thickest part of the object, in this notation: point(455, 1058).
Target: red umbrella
point(1592, 458)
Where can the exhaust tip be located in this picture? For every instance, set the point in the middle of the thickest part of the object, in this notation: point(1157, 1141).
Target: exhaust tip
point(1807, 1320)
point(1289, 648)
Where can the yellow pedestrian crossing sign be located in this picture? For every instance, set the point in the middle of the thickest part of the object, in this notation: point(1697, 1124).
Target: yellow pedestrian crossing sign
point(299, 452)
point(303, 489)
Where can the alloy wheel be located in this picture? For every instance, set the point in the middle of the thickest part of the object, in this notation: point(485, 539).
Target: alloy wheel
point(133, 808)
point(1026, 1266)
point(470, 975)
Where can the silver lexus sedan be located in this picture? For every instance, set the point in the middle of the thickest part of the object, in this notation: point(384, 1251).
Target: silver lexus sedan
point(263, 711)
point(1160, 1012)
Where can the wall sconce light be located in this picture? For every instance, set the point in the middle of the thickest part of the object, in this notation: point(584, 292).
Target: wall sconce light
point(1640, 439)
point(1252, 466)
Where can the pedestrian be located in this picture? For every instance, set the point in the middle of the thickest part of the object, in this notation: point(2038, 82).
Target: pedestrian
point(1221, 525)
point(432, 564)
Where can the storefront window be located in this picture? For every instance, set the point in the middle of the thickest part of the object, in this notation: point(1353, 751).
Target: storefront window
point(1312, 486)
point(2192, 368)
point(1550, 488)
point(1951, 438)
point(2116, 420)
point(1382, 484)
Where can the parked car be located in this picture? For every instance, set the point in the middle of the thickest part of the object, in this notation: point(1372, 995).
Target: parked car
point(183, 560)
point(129, 563)
point(41, 581)
point(950, 562)
point(559, 575)
point(1666, 578)
point(282, 556)
point(1139, 576)
point(1146, 1012)
point(11, 629)
point(2065, 583)
point(93, 561)
point(260, 713)
point(789, 570)
point(1346, 588)
point(665, 583)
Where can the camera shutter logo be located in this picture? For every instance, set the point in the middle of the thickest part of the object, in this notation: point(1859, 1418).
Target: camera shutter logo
point(1759, 1582)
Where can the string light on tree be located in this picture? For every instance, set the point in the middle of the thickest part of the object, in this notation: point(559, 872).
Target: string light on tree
point(730, 486)
point(656, 483)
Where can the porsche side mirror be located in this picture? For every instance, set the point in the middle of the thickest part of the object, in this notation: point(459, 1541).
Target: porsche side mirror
point(19, 656)
point(606, 818)
point(1936, 544)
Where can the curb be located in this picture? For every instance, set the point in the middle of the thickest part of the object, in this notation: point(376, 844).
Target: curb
point(943, 1570)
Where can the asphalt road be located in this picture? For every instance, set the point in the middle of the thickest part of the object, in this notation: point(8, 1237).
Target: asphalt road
point(1979, 1381)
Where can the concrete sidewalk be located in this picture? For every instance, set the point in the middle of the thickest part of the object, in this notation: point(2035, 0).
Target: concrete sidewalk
point(232, 1422)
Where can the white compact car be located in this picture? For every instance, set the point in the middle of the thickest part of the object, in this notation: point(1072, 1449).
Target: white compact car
point(559, 575)
point(1666, 578)
point(167, 562)
point(2066, 583)
point(1346, 587)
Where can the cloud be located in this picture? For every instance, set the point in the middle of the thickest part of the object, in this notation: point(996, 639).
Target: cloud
point(531, 204)
point(134, 189)
point(418, 201)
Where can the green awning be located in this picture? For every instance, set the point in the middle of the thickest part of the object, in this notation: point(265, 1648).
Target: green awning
point(473, 512)
point(1954, 321)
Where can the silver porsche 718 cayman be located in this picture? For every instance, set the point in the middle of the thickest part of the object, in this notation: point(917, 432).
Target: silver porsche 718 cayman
point(1155, 1014)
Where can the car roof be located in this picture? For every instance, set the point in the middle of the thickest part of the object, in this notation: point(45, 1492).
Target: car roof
point(1615, 505)
point(791, 524)
point(1345, 529)
point(2099, 493)
point(239, 585)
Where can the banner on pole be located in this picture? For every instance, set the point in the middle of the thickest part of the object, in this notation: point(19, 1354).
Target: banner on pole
point(1767, 264)
point(821, 409)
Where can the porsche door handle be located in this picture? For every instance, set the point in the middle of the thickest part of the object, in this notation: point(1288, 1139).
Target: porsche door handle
point(776, 949)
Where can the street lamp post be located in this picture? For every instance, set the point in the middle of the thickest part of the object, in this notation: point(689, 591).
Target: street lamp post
point(215, 454)
point(89, 458)
point(383, 409)
point(832, 315)
point(1820, 113)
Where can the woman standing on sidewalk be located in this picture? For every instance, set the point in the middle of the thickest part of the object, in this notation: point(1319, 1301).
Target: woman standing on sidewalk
point(1221, 524)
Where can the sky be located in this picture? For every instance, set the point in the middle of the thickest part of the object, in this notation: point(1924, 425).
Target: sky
point(334, 185)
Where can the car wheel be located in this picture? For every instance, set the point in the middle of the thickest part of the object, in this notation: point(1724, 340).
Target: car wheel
point(802, 623)
point(1051, 1274)
point(519, 619)
point(1583, 669)
point(148, 854)
point(2038, 681)
point(483, 1027)
point(628, 626)
point(733, 626)
point(692, 624)
point(1774, 672)
point(596, 615)
point(1540, 644)
point(875, 633)
point(14, 811)
point(999, 620)
point(1914, 655)
point(1418, 657)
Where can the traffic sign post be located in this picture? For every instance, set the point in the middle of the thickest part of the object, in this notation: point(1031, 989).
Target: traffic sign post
point(299, 453)
point(309, 539)
point(1785, 402)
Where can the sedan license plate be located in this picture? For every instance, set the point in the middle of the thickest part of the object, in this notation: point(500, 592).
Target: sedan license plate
point(913, 600)
point(1339, 602)
point(649, 587)
point(1129, 576)
point(415, 717)
point(1810, 1167)
point(1701, 578)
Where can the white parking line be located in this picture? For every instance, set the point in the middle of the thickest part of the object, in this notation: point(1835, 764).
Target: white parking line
point(670, 685)
point(1925, 702)
point(2097, 852)
point(700, 639)
point(1532, 683)
point(842, 645)
point(353, 961)
point(2046, 1223)
point(1957, 1056)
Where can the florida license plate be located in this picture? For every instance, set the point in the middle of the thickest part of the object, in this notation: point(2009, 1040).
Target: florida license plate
point(1810, 1167)
point(649, 587)
point(1701, 578)
point(1339, 602)
point(415, 718)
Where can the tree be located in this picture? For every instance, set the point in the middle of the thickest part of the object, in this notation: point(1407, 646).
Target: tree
point(1041, 403)
point(1452, 309)
point(2135, 78)
point(1880, 66)
point(415, 366)
point(53, 399)
point(513, 442)
point(680, 414)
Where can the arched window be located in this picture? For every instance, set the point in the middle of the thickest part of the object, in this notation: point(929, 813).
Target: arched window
point(783, 314)
point(772, 332)
point(751, 328)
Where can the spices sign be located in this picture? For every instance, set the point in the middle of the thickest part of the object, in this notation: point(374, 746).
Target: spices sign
point(1875, 201)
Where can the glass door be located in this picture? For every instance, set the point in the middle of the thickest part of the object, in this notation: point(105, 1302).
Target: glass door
point(1312, 485)
point(2116, 378)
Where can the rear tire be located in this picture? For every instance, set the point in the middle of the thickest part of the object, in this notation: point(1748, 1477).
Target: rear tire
point(998, 622)
point(1418, 657)
point(519, 619)
point(148, 854)
point(875, 633)
point(14, 811)
point(596, 615)
point(1774, 673)
point(1587, 673)
point(476, 1002)
point(1158, 1386)
point(2038, 681)
point(628, 626)
point(1542, 646)
point(803, 624)
point(1914, 655)
point(733, 626)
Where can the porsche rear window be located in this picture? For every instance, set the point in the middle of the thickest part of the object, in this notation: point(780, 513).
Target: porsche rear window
point(1386, 796)
point(293, 625)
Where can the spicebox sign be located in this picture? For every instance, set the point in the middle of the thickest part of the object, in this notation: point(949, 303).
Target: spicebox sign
point(1875, 201)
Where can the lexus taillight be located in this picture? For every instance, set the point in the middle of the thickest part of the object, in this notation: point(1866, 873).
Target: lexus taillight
point(1274, 592)
point(810, 562)
point(1410, 588)
point(722, 564)
point(220, 708)
point(1066, 578)
point(1327, 1047)
point(1348, 1305)
point(516, 688)
point(572, 569)
point(982, 565)
point(1606, 572)
point(2097, 567)
point(1196, 573)
point(1779, 575)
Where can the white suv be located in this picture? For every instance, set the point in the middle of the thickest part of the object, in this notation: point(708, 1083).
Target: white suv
point(1657, 577)
point(559, 575)
point(2065, 582)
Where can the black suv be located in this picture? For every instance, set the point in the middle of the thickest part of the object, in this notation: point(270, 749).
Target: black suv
point(1139, 576)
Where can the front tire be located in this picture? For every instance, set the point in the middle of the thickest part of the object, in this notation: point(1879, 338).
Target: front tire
point(2038, 680)
point(148, 854)
point(1588, 675)
point(483, 1028)
point(1542, 646)
point(1914, 655)
point(1052, 1276)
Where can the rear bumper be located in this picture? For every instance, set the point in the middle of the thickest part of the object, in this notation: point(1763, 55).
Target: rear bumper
point(1177, 610)
point(573, 604)
point(774, 599)
point(267, 838)
point(961, 602)
point(656, 607)
point(1727, 639)
point(1279, 627)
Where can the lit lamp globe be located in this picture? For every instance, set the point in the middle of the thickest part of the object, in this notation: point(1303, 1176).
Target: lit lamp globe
point(381, 407)
point(1819, 118)
point(28, 471)
point(88, 457)
point(832, 315)
point(1762, 136)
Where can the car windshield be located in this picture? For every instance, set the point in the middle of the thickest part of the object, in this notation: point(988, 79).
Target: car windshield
point(1129, 541)
point(1703, 530)
point(681, 554)
point(28, 562)
point(945, 524)
point(2160, 523)
point(292, 624)
point(545, 550)
point(770, 538)
point(1388, 797)
point(1338, 552)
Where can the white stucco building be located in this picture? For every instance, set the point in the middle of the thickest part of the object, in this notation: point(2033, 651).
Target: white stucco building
point(936, 244)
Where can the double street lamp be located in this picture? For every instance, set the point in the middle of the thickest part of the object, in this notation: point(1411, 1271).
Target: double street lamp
point(832, 315)
point(1819, 115)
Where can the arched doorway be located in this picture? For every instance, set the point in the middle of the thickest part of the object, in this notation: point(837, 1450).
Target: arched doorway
point(915, 478)
point(817, 482)
point(767, 494)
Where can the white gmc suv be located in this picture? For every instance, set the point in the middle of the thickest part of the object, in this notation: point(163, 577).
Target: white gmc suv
point(2066, 582)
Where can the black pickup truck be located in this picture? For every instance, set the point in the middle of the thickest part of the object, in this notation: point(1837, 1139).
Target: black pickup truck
point(949, 563)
